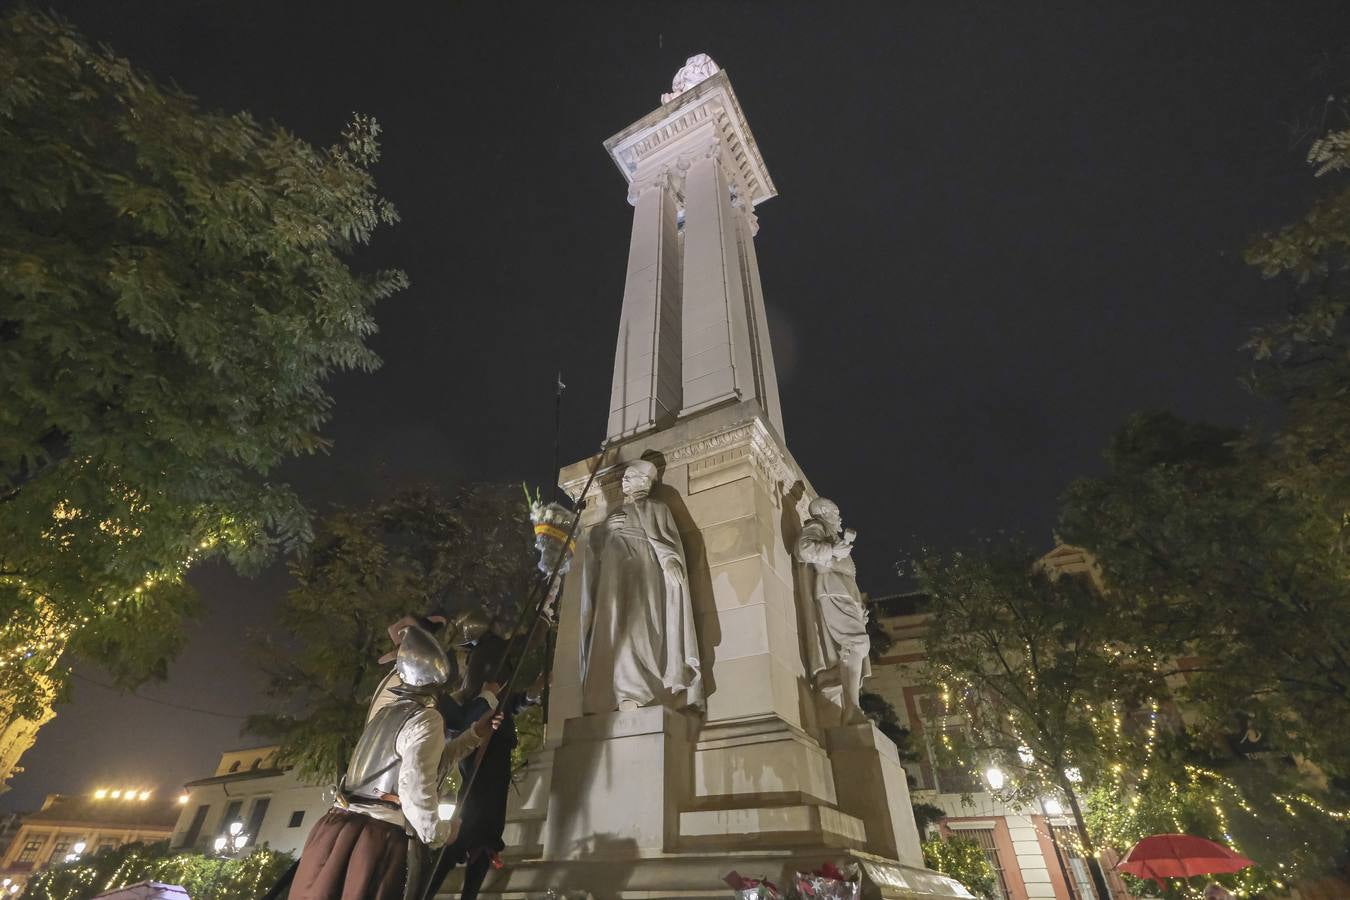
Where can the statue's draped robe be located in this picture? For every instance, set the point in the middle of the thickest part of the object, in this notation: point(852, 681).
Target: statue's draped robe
point(840, 619)
point(637, 623)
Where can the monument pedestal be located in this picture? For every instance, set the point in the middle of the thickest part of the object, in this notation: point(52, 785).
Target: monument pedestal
point(618, 782)
point(657, 802)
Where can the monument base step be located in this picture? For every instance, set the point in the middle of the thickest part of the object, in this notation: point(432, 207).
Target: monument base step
point(616, 873)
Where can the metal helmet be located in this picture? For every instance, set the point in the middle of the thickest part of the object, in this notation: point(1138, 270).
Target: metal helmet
point(421, 661)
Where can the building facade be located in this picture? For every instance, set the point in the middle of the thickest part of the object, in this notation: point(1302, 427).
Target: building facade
point(274, 808)
point(1029, 849)
point(84, 825)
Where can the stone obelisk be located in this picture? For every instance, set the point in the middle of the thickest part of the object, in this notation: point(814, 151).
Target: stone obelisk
point(758, 775)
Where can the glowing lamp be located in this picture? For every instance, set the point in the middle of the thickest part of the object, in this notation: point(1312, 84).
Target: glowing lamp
point(79, 847)
point(240, 840)
point(235, 828)
point(1053, 807)
point(219, 843)
point(116, 794)
point(98, 795)
point(1074, 776)
point(182, 799)
point(994, 775)
point(1025, 755)
point(445, 811)
point(145, 795)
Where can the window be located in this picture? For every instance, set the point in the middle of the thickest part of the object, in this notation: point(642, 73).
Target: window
point(234, 767)
point(985, 838)
point(104, 846)
point(945, 779)
point(30, 851)
point(59, 850)
point(1075, 866)
point(256, 816)
point(256, 764)
point(296, 818)
point(231, 815)
point(195, 829)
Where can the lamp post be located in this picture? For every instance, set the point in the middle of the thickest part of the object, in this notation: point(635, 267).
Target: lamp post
point(235, 841)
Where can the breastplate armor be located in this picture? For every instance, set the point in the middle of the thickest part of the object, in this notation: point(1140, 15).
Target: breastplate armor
point(375, 761)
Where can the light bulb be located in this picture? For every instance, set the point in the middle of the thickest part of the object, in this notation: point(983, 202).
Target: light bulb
point(182, 799)
point(1053, 807)
point(145, 795)
point(79, 847)
point(1025, 755)
point(240, 840)
point(445, 811)
point(236, 827)
point(1074, 776)
point(219, 843)
point(994, 775)
point(116, 794)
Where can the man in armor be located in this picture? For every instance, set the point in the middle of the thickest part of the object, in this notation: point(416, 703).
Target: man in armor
point(372, 843)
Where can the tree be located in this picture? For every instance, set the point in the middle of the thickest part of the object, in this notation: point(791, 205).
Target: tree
point(204, 877)
point(419, 552)
point(1230, 577)
point(1031, 668)
point(175, 287)
point(962, 859)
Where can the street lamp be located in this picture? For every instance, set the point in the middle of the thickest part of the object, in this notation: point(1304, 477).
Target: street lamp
point(994, 775)
point(1053, 807)
point(236, 840)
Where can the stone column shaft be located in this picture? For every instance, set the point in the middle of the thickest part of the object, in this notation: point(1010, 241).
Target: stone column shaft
point(646, 391)
point(717, 357)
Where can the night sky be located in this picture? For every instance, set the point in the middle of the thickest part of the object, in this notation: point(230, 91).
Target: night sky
point(999, 232)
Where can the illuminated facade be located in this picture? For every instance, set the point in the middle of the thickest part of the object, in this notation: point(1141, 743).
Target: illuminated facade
point(273, 807)
point(84, 825)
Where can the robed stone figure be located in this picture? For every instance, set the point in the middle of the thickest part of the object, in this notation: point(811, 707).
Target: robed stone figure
point(836, 638)
point(638, 645)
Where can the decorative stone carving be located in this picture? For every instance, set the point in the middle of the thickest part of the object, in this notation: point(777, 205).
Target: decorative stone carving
point(697, 68)
point(638, 646)
point(837, 645)
point(766, 453)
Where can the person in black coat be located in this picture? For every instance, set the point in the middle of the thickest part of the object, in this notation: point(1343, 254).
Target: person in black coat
point(483, 814)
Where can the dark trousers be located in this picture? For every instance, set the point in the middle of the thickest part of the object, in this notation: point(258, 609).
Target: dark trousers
point(476, 868)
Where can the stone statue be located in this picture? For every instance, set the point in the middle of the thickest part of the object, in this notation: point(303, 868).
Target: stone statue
point(837, 645)
point(638, 645)
point(697, 68)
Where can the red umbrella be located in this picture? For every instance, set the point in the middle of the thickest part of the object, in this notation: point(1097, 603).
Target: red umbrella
point(1180, 856)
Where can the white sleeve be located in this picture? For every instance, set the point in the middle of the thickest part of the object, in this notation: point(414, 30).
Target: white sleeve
point(465, 743)
point(419, 745)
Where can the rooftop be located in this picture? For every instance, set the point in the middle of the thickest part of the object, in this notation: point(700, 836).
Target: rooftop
point(154, 812)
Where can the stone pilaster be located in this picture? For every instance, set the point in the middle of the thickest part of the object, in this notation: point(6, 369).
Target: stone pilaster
point(646, 391)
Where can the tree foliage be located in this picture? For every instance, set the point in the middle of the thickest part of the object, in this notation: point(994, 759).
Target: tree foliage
point(1029, 666)
point(175, 287)
point(420, 552)
point(204, 877)
point(962, 859)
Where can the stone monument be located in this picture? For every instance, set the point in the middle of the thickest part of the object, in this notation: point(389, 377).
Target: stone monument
point(687, 732)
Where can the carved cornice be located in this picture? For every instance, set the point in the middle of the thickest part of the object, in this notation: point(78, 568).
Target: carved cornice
point(767, 455)
point(707, 111)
